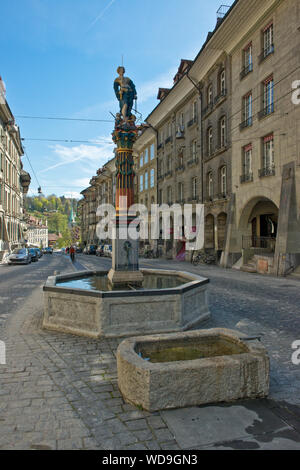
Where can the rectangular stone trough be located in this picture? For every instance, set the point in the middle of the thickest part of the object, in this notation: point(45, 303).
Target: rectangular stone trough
point(191, 368)
point(94, 313)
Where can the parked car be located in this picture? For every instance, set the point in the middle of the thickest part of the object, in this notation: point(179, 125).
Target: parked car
point(34, 254)
point(91, 250)
point(39, 252)
point(78, 250)
point(100, 250)
point(48, 250)
point(19, 256)
point(107, 250)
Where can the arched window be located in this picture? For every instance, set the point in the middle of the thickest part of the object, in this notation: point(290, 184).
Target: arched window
point(209, 141)
point(210, 185)
point(222, 132)
point(223, 180)
point(222, 82)
point(210, 94)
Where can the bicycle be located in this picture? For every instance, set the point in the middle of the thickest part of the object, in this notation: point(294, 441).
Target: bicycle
point(203, 258)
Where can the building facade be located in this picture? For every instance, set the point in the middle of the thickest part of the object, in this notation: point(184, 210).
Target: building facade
point(264, 226)
point(14, 182)
point(101, 191)
point(37, 233)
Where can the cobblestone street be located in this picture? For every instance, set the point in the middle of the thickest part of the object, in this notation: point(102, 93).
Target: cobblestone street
point(60, 391)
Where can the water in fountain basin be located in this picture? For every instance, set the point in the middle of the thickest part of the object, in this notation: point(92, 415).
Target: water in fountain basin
point(101, 283)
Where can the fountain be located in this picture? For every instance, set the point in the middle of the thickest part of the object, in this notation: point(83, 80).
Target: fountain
point(192, 368)
point(126, 300)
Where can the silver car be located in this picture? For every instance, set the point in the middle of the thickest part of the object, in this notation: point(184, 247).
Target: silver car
point(19, 256)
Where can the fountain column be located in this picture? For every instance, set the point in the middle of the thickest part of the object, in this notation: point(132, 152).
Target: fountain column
point(125, 263)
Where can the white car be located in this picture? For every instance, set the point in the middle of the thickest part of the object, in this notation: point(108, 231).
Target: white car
point(107, 250)
point(19, 256)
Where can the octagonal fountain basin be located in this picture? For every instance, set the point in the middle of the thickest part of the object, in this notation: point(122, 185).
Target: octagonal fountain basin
point(84, 303)
point(191, 368)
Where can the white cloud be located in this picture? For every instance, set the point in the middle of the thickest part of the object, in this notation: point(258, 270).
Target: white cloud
point(97, 154)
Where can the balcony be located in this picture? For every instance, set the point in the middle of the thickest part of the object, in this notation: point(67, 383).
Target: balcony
point(247, 123)
point(160, 146)
point(222, 195)
point(191, 122)
point(168, 140)
point(208, 109)
point(266, 111)
point(246, 177)
point(209, 199)
point(246, 70)
point(267, 171)
point(180, 201)
point(168, 174)
point(193, 161)
point(180, 168)
point(220, 97)
point(193, 198)
point(266, 53)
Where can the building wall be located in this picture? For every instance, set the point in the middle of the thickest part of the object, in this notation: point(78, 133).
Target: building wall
point(282, 63)
point(11, 191)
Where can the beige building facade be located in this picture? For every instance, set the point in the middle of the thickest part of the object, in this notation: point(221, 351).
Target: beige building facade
point(228, 137)
point(14, 183)
point(101, 191)
point(265, 226)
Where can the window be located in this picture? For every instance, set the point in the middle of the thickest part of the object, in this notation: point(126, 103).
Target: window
point(268, 152)
point(209, 141)
point(222, 132)
point(222, 84)
point(247, 160)
point(169, 194)
point(194, 189)
point(141, 160)
point(248, 64)
point(268, 46)
point(209, 95)
point(152, 152)
point(180, 192)
point(146, 181)
point(194, 111)
point(194, 150)
point(181, 120)
point(247, 110)
point(141, 183)
point(146, 157)
point(152, 178)
point(268, 96)
point(223, 180)
point(210, 185)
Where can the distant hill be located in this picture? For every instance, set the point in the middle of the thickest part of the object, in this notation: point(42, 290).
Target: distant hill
point(56, 210)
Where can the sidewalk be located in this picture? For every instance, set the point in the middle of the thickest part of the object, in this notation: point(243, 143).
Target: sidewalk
point(60, 392)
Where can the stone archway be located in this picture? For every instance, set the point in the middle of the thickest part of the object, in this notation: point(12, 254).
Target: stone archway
point(258, 224)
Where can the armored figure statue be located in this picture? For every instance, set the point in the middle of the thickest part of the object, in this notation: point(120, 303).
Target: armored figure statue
point(125, 92)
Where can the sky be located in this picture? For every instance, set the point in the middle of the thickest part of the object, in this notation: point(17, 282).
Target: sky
point(59, 59)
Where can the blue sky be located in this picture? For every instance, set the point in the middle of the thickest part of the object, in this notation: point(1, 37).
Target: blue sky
point(59, 59)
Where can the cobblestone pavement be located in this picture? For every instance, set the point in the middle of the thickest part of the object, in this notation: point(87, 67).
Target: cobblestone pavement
point(60, 391)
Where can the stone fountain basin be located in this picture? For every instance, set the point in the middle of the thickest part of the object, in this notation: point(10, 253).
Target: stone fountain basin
point(228, 368)
point(95, 313)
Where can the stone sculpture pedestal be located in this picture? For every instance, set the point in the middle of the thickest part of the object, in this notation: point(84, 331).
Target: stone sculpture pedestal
point(125, 256)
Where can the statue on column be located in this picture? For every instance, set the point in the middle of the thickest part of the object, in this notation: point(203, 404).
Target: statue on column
point(125, 92)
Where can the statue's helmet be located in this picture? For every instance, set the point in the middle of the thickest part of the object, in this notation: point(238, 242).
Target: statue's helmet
point(121, 68)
